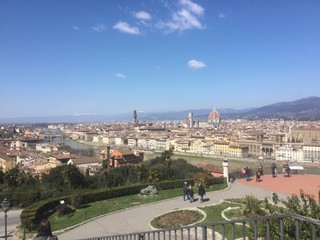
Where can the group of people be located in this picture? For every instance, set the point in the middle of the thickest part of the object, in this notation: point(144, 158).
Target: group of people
point(259, 172)
point(188, 193)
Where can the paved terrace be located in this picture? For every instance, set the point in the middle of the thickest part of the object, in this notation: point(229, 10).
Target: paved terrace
point(137, 219)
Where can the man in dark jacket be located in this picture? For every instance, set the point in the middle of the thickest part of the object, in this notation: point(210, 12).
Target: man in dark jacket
point(201, 192)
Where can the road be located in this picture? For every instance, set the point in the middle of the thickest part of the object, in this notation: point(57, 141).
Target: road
point(13, 220)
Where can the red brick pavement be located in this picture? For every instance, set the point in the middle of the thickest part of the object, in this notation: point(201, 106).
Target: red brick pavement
point(289, 185)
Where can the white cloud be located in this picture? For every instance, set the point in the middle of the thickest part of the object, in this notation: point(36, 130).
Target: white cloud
point(195, 64)
point(142, 15)
point(221, 15)
point(126, 28)
point(192, 7)
point(75, 28)
point(99, 28)
point(187, 16)
point(121, 75)
point(84, 114)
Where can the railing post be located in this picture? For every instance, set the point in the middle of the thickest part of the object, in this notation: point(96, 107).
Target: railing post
point(141, 236)
point(281, 229)
point(255, 230)
point(297, 230)
point(244, 231)
point(313, 232)
point(204, 232)
point(268, 229)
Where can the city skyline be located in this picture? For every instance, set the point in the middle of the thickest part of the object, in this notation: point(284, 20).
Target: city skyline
point(97, 57)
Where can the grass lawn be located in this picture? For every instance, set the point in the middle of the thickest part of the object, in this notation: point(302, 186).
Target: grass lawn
point(214, 215)
point(96, 209)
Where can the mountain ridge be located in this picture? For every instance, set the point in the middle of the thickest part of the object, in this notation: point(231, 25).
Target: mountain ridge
point(301, 109)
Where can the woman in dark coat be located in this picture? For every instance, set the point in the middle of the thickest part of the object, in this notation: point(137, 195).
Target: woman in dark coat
point(201, 192)
point(44, 231)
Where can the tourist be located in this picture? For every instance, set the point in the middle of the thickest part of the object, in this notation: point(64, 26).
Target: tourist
point(243, 171)
point(185, 191)
point(247, 174)
point(44, 231)
point(258, 175)
point(274, 170)
point(201, 192)
point(190, 193)
point(261, 170)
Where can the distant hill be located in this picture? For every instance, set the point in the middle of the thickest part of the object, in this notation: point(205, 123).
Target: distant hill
point(302, 109)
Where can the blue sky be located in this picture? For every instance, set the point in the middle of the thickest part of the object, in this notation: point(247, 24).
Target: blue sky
point(70, 57)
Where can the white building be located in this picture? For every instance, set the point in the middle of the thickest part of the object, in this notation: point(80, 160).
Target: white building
point(290, 154)
point(311, 153)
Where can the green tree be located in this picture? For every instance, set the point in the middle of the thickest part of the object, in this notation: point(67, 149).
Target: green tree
point(166, 155)
point(154, 175)
point(11, 177)
point(14, 178)
point(2, 176)
point(201, 179)
point(140, 172)
point(72, 176)
point(65, 175)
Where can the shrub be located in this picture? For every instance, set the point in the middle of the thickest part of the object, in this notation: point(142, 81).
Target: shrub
point(76, 200)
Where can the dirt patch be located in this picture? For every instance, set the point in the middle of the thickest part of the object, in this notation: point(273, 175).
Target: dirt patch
point(177, 219)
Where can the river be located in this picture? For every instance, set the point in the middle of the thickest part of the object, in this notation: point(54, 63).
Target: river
point(77, 145)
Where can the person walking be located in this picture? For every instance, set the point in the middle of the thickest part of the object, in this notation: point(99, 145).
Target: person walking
point(190, 193)
point(201, 192)
point(185, 191)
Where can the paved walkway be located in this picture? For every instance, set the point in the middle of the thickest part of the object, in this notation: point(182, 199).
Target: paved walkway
point(289, 185)
point(137, 219)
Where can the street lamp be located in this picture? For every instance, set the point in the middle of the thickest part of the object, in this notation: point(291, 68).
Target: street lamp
point(5, 206)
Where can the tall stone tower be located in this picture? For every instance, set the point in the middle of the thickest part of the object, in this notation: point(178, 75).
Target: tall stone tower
point(190, 118)
point(134, 118)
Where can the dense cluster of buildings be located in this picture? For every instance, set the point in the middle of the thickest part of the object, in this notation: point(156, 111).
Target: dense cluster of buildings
point(124, 143)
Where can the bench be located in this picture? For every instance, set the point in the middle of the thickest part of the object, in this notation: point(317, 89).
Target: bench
point(296, 169)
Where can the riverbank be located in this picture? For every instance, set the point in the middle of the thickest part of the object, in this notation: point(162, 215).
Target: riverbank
point(206, 161)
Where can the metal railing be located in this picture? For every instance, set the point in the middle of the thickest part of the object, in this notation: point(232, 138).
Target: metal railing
point(282, 226)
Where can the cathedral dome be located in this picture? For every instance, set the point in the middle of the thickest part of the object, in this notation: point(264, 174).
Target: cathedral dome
point(214, 116)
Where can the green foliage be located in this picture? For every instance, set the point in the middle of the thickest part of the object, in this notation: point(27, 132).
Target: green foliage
point(76, 200)
point(201, 179)
point(15, 177)
point(154, 175)
point(50, 191)
point(66, 175)
point(252, 207)
point(32, 215)
point(305, 205)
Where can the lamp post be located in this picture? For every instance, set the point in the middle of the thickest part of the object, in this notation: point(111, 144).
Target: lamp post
point(5, 206)
point(225, 165)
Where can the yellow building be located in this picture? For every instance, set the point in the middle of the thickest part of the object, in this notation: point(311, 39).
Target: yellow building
point(238, 151)
point(221, 148)
point(8, 161)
